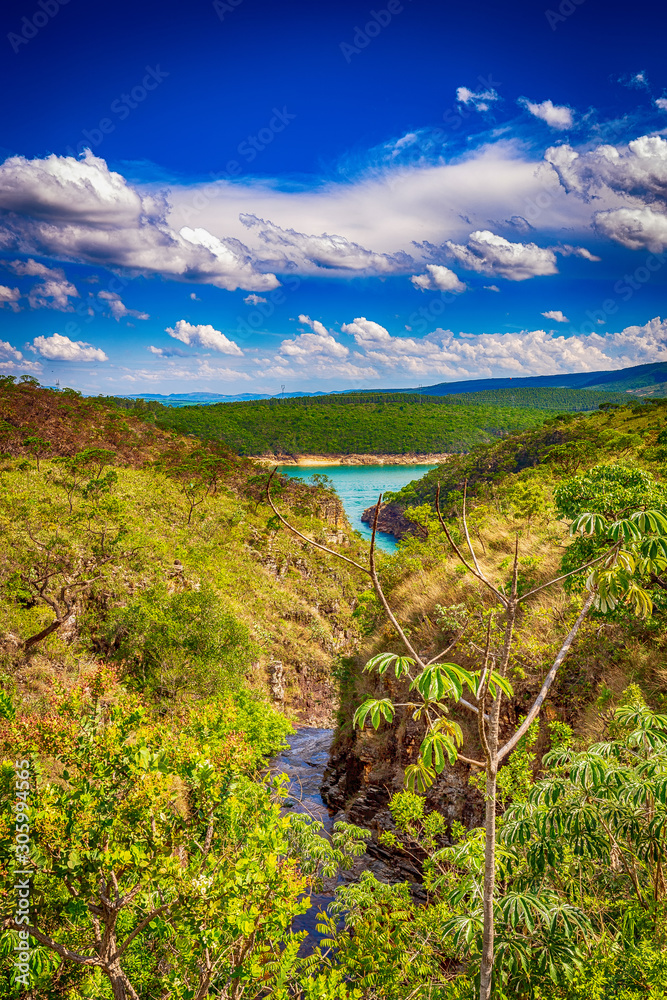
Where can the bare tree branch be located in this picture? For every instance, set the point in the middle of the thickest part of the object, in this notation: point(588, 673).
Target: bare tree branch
point(549, 679)
point(579, 569)
point(480, 576)
point(310, 541)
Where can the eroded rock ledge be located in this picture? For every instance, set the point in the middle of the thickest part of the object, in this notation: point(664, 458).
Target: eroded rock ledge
point(392, 521)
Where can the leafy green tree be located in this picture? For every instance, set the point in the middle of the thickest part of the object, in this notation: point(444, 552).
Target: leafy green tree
point(182, 641)
point(155, 862)
point(433, 683)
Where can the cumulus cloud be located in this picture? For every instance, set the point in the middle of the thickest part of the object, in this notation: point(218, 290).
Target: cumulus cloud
point(480, 100)
point(167, 352)
point(315, 254)
point(78, 209)
point(54, 291)
point(60, 348)
point(13, 360)
point(447, 356)
point(556, 315)
point(254, 300)
point(10, 297)
point(635, 228)
point(491, 288)
point(204, 336)
point(194, 297)
point(490, 254)
point(117, 308)
point(438, 278)
point(661, 102)
point(556, 116)
point(319, 342)
point(637, 172)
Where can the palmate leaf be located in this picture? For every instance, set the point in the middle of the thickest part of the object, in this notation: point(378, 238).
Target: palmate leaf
point(589, 524)
point(378, 709)
point(383, 661)
point(650, 521)
point(436, 750)
point(441, 680)
point(419, 777)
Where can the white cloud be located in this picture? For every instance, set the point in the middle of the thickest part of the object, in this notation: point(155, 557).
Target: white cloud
point(491, 288)
point(9, 353)
point(636, 172)
point(117, 308)
point(53, 292)
point(254, 300)
point(205, 336)
point(480, 100)
point(167, 352)
point(438, 278)
point(490, 254)
point(556, 116)
point(378, 213)
point(556, 315)
point(194, 297)
point(10, 297)
point(317, 254)
point(12, 360)
point(320, 342)
point(445, 356)
point(661, 102)
point(635, 228)
point(78, 209)
point(60, 348)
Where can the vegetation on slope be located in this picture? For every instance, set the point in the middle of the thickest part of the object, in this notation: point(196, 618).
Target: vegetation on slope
point(387, 424)
point(147, 595)
point(567, 900)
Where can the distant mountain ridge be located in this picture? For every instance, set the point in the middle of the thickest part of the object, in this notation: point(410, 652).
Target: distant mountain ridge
point(621, 380)
point(639, 379)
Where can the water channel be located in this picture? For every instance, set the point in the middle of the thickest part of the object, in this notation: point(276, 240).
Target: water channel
point(359, 486)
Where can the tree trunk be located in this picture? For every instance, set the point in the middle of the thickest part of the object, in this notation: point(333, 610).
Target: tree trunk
point(486, 969)
point(120, 984)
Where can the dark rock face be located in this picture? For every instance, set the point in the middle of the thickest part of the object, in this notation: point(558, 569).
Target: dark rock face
point(391, 521)
point(365, 771)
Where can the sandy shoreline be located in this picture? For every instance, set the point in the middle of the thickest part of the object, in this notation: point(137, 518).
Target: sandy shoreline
point(312, 461)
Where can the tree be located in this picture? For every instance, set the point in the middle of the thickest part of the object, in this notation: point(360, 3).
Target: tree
point(197, 474)
point(434, 682)
point(155, 861)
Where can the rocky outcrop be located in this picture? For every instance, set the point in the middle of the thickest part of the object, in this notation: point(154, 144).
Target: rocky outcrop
point(365, 771)
point(392, 521)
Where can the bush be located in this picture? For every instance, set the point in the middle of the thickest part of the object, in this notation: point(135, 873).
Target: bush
point(184, 642)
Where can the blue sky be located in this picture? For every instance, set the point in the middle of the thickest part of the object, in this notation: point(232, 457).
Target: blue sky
point(236, 196)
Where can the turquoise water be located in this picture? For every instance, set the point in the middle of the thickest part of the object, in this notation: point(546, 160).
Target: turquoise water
point(359, 486)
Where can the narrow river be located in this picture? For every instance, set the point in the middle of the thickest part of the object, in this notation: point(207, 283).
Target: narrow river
point(304, 762)
point(359, 486)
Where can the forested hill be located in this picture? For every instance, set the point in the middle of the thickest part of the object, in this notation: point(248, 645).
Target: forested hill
point(112, 522)
point(634, 432)
point(372, 423)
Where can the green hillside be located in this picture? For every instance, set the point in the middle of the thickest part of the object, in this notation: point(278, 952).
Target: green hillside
point(369, 423)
